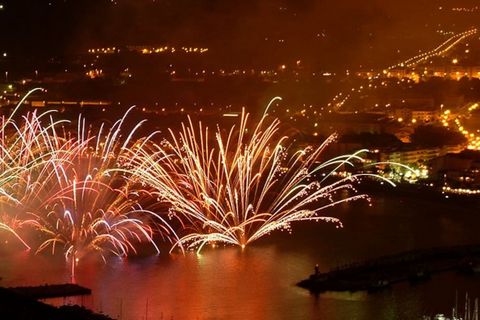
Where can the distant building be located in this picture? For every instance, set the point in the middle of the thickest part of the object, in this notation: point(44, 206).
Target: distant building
point(459, 173)
point(408, 155)
point(417, 115)
point(414, 110)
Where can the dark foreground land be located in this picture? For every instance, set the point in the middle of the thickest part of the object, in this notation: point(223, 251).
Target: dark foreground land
point(18, 306)
point(413, 266)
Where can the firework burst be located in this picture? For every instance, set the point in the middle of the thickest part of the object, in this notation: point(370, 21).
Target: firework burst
point(22, 150)
point(90, 215)
point(80, 203)
point(237, 187)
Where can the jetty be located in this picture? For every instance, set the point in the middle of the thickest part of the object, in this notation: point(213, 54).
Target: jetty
point(414, 266)
point(52, 291)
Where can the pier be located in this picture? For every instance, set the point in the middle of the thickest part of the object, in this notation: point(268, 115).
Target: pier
point(414, 266)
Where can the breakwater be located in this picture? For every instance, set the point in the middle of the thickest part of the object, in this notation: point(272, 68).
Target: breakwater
point(379, 273)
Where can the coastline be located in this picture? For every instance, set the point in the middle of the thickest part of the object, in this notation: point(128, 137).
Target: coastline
point(420, 192)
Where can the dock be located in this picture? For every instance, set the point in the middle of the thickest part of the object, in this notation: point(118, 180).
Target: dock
point(413, 266)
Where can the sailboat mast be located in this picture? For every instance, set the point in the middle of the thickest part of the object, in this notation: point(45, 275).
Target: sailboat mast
point(475, 312)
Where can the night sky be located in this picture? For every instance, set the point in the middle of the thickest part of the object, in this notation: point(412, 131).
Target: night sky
point(345, 32)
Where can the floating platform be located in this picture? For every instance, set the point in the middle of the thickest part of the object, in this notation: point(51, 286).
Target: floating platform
point(413, 266)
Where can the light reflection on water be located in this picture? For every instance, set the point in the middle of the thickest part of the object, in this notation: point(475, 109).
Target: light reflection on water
point(258, 283)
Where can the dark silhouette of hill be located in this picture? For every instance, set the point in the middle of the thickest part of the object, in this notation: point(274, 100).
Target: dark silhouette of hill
point(14, 306)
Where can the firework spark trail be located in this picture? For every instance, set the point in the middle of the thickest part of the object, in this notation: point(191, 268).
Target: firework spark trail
point(79, 202)
point(242, 186)
point(10, 225)
point(21, 150)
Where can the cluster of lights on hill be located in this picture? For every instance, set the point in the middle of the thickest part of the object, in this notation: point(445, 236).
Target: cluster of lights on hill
point(464, 9)
point(340, 99)
point(438, 51)
point(148, 50)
